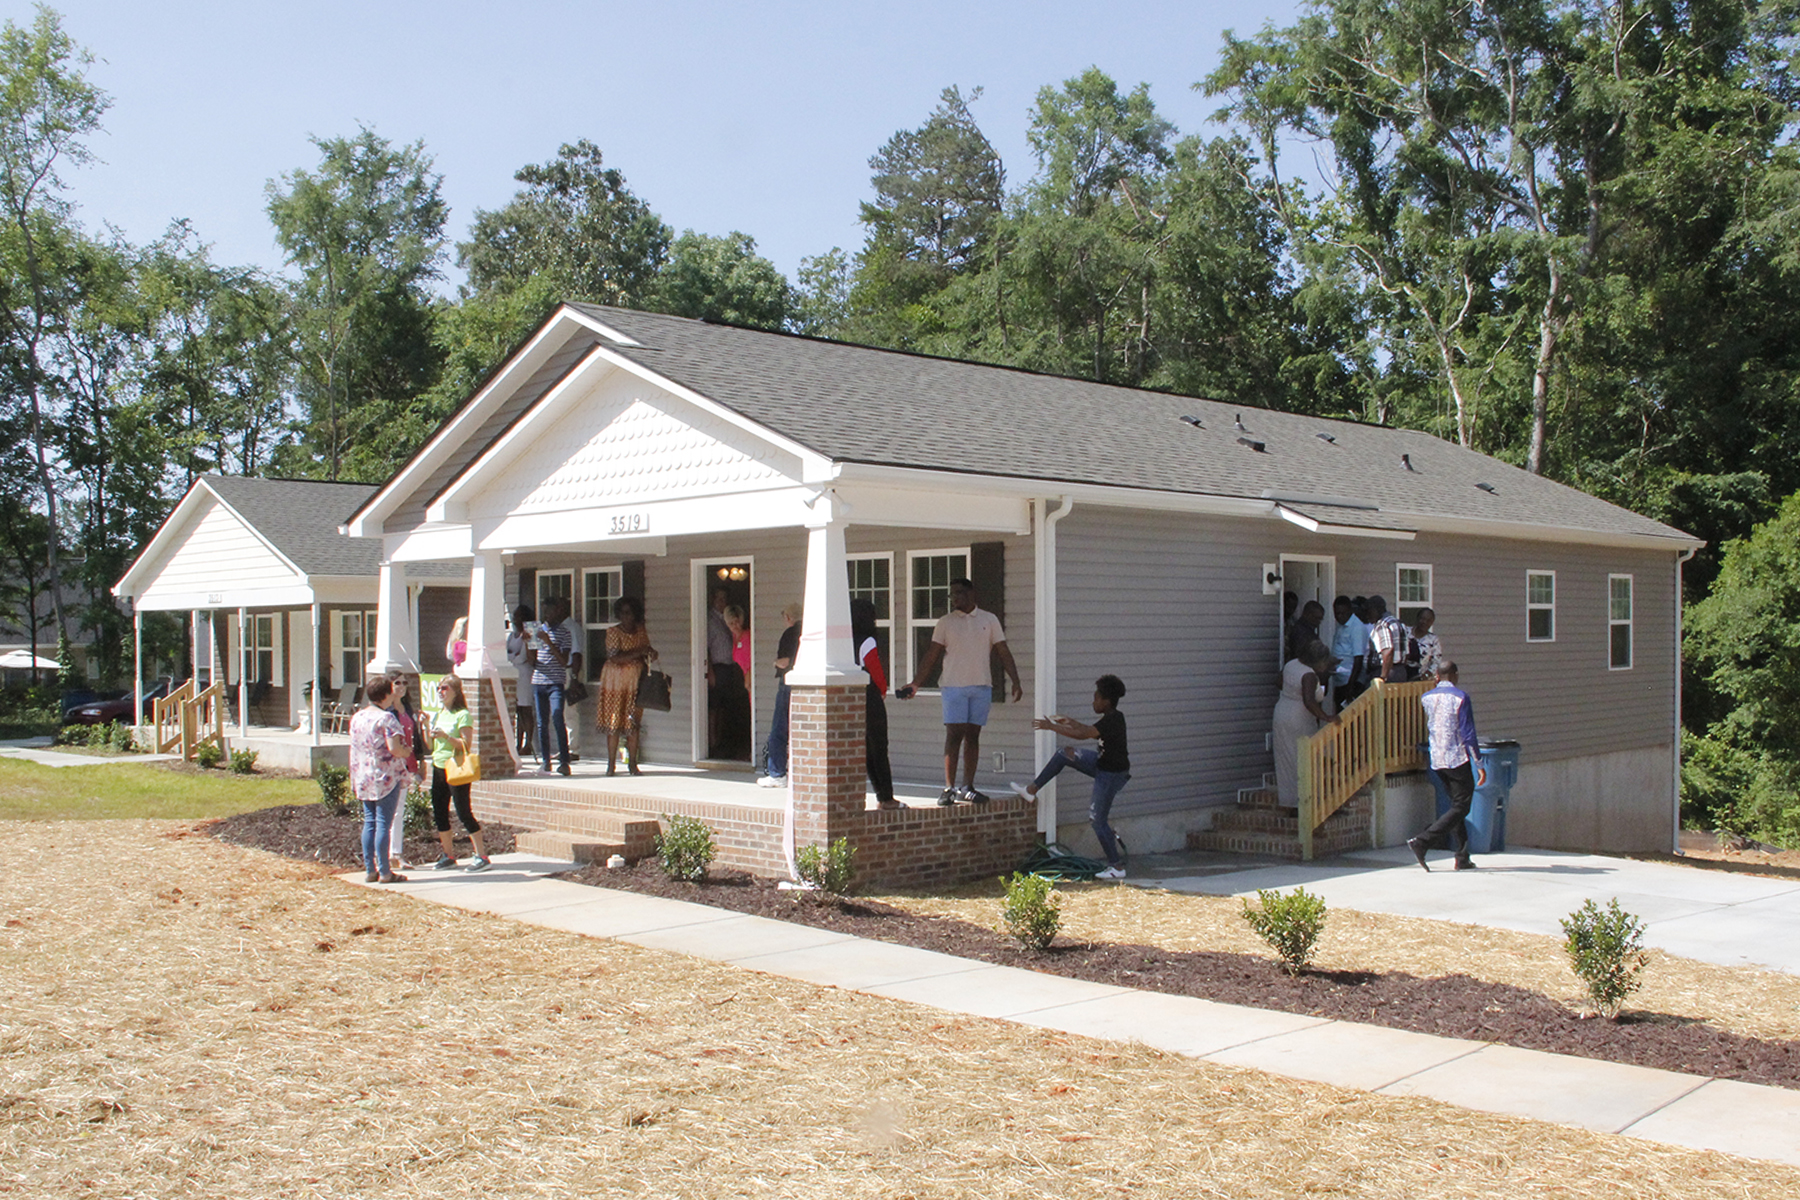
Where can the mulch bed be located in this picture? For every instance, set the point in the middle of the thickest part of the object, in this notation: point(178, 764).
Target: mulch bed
point(1446, 1006)
point(310, 833)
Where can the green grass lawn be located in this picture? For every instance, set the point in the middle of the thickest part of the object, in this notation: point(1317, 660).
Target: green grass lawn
point(30, 792)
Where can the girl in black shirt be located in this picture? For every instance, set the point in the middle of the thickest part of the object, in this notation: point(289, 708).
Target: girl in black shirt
point(1109, 765)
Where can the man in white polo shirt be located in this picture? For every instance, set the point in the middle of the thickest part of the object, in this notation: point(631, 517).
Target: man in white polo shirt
point(963, 640)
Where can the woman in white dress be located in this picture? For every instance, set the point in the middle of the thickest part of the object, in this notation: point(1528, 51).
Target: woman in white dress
point(1298, 714)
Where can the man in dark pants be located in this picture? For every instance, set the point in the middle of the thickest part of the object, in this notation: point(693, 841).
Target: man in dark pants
point(1456, 757)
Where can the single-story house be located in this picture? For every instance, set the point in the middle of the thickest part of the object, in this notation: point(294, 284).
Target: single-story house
point(1113, 530)
point(276, 598)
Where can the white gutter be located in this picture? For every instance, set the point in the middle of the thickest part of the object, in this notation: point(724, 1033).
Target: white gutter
point(1043, 676)
point(1675, 817)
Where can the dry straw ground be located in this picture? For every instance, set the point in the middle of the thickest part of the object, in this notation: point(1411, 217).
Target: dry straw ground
point(182, 1018)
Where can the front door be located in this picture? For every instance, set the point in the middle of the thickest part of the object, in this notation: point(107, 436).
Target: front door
point(725, 676)
point(1306, 577)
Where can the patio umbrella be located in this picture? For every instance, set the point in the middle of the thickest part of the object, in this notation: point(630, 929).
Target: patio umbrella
point(25, 660)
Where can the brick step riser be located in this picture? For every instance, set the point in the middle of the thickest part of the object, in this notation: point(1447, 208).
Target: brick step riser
point(1274, 846)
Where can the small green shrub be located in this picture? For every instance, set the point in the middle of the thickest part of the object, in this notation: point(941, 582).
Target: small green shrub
point(827, 868)
point(72, 735)
point(120, 738)
point(334, 787)
point(684, 848)
point(1289, 922)
point(1606, 952)
point(1033, 911)
point(418, 822)
point(209, 755)
point(243, 762)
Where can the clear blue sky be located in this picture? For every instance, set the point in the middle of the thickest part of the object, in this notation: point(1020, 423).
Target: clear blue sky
point(755, 117)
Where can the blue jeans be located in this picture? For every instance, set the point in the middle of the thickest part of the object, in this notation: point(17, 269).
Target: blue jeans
point(377, 830)
point(549, 697)
point(1106, 789)
point(778, 734)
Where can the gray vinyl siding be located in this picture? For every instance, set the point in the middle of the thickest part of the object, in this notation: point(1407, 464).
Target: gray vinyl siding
point(1174, 605)
point(411, 513)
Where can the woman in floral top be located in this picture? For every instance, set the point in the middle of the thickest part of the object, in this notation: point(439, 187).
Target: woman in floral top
point(378, 750)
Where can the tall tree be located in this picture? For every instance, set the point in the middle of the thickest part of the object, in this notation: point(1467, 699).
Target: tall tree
point(722, 279)
point(48, 108)
point(576, 227)
point(366, 231)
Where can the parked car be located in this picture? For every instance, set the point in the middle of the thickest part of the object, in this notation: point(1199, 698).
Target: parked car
point(105, 712)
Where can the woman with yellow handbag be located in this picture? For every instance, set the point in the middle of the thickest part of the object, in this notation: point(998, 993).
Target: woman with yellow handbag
point(452, 730)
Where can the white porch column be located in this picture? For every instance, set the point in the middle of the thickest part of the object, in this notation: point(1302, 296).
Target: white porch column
point(393, 640)
point(137, 664)
point(826, 656)
point(1043, 674)
point(243, 673)
point(318, 680)
point(487, 614)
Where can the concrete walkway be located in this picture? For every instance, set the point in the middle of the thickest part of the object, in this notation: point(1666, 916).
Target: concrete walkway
point(1714, 916)
point(1663, 1106)
point(38, 750)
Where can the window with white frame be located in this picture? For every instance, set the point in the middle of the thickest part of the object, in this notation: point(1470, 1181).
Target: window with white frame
point(262, 649)
point(356, 632)
point(557, 585)
point(929, 573)
point(1540, 606)
point(601, 587)
point(872, 579)
point(1618, 620)
point(1412, 590)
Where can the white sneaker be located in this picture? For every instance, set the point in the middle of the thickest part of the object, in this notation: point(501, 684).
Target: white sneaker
point(771, 781)
point(1111, 873)
point(1022, 791)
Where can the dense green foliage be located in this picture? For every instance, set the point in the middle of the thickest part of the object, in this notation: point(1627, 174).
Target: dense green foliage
point(1032, 912)
point(684, 848)
point(1606, 951)
point(1557, 231)
point(1290, 922)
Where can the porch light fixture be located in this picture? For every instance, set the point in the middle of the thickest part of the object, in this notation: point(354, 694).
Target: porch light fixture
point(735, 574)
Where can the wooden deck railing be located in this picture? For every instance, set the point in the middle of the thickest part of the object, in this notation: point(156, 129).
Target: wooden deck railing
point(185, 720)
point(165, 717)
point(1378, 732)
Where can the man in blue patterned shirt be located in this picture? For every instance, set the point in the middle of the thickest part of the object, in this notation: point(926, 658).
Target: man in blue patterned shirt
point(1456, 757)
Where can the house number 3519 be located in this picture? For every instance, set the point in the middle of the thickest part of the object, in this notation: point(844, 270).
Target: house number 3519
point(633, 522)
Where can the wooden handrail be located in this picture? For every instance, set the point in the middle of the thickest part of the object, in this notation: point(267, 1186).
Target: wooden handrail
point(165, 717)
point(203, 720)
point(1378, 732)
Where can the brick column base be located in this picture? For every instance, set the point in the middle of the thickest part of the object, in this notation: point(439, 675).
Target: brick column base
point(826, 762)
point(490, 737)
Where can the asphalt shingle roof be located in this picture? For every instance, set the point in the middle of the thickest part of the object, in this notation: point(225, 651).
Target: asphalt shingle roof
point(857, 404)
point(300, 517)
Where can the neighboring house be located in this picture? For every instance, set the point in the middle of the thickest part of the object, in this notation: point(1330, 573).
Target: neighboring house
point(275, 597)
point(15, 637)
point(1113, 530)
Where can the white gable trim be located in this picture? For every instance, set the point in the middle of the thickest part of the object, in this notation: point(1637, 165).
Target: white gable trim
point(176, 529)
point(368, 520)
point(451, 506)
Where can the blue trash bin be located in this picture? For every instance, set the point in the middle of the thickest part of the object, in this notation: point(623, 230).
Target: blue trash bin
point(1486, 823)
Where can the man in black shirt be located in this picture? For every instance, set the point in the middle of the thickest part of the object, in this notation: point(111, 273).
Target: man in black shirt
point(1109, 765)
point(776, 750)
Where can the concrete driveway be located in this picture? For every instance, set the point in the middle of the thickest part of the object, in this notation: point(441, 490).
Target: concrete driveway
point(1715, 916)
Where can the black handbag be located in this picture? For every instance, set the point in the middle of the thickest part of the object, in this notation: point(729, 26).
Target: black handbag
point(574, 692)
point(653, 691)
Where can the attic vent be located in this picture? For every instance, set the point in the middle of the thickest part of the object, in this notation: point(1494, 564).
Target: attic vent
point(1489, 488)
point(1194, 421)
point(1239, 422)
point(1256, 446)
point(1406, 462)
point(1326, 437)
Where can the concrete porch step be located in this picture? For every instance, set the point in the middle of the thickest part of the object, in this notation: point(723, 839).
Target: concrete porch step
point(602, 835)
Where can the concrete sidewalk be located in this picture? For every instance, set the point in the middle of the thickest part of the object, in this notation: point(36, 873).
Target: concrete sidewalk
point(1663, 1106)
point(1714, 916)
point(38, 750)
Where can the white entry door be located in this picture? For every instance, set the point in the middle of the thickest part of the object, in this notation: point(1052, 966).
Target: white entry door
point(1309, 577)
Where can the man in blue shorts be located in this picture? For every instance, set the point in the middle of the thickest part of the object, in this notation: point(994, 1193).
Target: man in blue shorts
point(963, 640)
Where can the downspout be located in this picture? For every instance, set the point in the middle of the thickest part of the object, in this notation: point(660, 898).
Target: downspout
point(1043, 686)
point(1681, 556)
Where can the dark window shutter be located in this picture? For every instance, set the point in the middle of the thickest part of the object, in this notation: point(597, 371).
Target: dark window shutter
point(527, 588)
point(987, 571)
point(632, 571)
